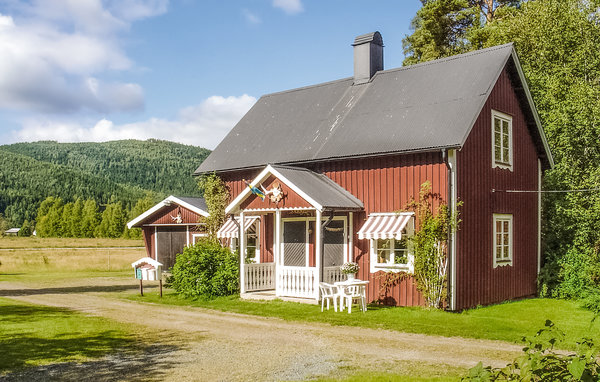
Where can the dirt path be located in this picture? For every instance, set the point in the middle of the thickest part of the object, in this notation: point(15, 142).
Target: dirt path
point(213, 345)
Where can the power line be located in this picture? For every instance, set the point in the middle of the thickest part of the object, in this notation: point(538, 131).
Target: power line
point(548, 191)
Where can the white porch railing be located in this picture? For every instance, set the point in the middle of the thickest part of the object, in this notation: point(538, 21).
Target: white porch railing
point(333, 274)
point(297, 282)
point(259, 276)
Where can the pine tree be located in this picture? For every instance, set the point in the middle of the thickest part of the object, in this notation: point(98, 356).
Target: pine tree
point(67, 220)
point(76, 218)
point(89, 218)
point(25, 230)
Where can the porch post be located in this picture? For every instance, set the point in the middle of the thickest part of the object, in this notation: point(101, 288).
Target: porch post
point(277, 252)
point(318, 246)
point(242, 247)
point(350, 254)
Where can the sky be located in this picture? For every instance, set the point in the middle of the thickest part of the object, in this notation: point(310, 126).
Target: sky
point(179, 70)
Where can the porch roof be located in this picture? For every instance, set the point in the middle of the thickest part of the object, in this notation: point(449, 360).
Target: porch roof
point(384, 226)
point(317, 189)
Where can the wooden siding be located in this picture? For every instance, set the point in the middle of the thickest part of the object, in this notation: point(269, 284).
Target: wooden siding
point(291, 198)
point(384, 184)
point(148, 236)
point(477, 281)
point(165, 214)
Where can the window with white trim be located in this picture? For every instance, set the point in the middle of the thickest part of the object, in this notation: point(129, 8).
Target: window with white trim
point(503, 239)
point(392, 255)
point(197, 236)
point(501, 140)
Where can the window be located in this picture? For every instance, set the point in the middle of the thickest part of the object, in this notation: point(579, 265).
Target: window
point(503, 239)
point(392, 255)
point(501, 140)
point(197, 236)
point(253, 243)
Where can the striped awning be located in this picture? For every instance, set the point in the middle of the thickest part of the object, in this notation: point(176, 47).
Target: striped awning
point(230, 228)
point(384, 226)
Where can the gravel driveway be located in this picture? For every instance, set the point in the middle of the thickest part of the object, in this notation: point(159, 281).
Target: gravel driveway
point(206, 345)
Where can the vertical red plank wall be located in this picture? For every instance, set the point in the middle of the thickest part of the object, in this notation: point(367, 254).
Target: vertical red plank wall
point(478, 282)
point(384, 184)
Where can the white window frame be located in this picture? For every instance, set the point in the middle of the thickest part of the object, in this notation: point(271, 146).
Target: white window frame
point(392, 267)
point(495, 161)
point(510, 233)
point(256, 257)
point(196, 236)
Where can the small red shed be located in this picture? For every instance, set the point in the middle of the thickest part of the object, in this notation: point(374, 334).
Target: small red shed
point(171, 225)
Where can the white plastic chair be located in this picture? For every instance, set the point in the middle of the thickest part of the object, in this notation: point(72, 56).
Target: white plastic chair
point(328, 292)
point(351, 293)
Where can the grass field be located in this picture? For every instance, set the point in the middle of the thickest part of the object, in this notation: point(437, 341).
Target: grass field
point(13, 242)
point(41, 255)
point(506, 322)
point(50, 328)
point(37, 335)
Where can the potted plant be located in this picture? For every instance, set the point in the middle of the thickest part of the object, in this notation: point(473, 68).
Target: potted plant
point(349, 269)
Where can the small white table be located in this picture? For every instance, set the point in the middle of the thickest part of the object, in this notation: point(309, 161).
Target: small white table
point(351, 289)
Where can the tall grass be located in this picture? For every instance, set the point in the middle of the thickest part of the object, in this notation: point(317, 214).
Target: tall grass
point(8, 242)
point(50, 260)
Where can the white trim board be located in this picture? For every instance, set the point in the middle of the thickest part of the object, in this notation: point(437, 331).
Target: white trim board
point(269, 170)
point(166, 202)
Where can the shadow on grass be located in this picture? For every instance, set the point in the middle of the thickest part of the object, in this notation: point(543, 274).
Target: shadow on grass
point(26, 349)
point(149, 363)
point(38, 335)
point(25, 313)
point(76, 289)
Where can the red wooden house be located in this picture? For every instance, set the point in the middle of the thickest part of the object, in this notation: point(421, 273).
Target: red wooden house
point(338, 160)
point(170, 226)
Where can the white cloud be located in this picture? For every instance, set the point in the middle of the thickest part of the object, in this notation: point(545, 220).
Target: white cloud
point(251, 18)
point(289, 6)
point(55, 52)
point(204, 125)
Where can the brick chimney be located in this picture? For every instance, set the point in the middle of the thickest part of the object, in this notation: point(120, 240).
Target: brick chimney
point(368, 56)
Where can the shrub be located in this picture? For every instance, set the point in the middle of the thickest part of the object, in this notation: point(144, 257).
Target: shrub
point(591, 300)
point(206, 270)
point(541, 363)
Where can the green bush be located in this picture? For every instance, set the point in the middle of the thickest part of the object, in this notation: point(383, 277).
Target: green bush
point(541, 363)
point(206, 270)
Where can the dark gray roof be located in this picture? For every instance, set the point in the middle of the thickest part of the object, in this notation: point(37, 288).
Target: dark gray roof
point(427, 106)
point(320, 188)
point(196, 202)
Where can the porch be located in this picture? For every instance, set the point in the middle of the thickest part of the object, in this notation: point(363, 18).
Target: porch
point(290, 238)
point(267, 281)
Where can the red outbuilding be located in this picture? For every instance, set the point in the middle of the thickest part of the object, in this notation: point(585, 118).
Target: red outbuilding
point(332, 165)
point(170, 226)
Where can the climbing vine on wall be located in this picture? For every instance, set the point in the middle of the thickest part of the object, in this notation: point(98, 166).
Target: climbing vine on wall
point(430, 246)
point(216, 195)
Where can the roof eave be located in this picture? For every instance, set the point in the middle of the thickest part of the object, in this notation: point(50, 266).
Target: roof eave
point(533, 109)
point(451, 146)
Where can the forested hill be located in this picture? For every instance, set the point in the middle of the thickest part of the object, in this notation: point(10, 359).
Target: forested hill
point(26, 182)
point(117, 171)
point(160, 166)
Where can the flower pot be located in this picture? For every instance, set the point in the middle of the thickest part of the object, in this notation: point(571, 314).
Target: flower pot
point(351, 276)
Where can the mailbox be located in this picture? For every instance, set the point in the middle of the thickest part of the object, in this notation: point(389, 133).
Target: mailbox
point(147, 269)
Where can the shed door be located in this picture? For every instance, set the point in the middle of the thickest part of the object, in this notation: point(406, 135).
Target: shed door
point(171, 241)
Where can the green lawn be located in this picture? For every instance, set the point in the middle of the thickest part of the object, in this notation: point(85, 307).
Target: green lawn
point(38, 335)
point(506, 322)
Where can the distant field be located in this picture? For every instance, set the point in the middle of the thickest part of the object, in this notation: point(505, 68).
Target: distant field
point(37, 242)
point(34, 255)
